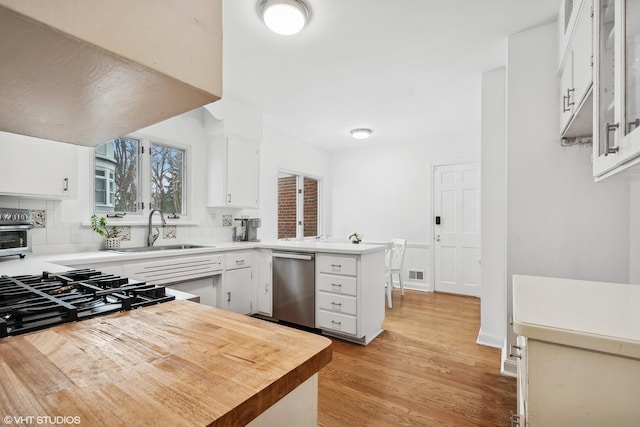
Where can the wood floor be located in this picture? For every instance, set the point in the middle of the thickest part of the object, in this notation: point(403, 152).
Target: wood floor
point(425, 369)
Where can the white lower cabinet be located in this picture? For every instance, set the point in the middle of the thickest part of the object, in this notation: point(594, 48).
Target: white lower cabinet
point(238, 285)
point(561, 385)
point(350, 295)
point(197, 275)
point(204, 288)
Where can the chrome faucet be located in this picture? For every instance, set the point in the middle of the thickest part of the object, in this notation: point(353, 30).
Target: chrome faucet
point(151, 238)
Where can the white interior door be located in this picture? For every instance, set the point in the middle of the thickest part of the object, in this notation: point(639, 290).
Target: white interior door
point(456, 195)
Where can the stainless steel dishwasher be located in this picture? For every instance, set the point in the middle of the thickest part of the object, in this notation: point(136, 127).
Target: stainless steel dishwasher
point(294, 289)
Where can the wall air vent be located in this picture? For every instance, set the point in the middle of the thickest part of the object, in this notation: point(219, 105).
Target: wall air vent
point(416, 275)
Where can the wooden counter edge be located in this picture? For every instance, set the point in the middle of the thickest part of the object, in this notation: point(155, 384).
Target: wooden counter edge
point(264, 399)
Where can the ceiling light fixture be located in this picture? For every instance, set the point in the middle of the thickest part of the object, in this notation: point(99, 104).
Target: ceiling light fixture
point(285, 17)
point(361, 133)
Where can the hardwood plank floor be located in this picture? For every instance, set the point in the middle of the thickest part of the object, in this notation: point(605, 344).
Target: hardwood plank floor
point(425, 369)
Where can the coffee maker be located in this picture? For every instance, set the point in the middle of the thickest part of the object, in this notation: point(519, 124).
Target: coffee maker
point(246, 230)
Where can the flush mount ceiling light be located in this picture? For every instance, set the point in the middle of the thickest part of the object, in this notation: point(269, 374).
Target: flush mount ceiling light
point(286, 17)
point(361, 133)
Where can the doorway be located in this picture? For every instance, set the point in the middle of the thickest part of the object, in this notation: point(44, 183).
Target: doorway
point(456, 232)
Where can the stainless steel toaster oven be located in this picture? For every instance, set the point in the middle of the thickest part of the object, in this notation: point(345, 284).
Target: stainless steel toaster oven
point(15, 232)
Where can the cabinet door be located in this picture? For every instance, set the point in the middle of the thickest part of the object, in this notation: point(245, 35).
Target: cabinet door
point(582, 55)
point(566, 92)
point(242, 173)
point(205, 288)
point(37, 167)
point(237, 291)
point(264, 296)
point(605, 143)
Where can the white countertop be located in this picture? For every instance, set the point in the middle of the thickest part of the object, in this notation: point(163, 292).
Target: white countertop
point(592, 315)
point(36, 263)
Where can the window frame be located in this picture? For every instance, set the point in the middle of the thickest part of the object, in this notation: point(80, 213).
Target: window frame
point(144, 180)
point(300, 204)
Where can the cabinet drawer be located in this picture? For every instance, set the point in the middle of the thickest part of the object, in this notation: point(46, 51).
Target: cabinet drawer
point(239, 260)
point(337, 284)
point(337, 322)
point(337, 265)
point(175, 270)
point(340, 303)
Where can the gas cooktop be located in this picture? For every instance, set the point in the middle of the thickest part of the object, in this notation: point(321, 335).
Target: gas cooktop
point(29, 303)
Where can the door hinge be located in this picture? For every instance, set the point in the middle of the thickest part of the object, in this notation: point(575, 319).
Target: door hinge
point(299, 190)
point(592, 11)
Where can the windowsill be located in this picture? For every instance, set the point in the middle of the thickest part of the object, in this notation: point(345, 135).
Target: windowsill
point(115, 222)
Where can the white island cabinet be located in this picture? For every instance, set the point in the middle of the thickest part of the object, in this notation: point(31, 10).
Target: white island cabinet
point(578, 352)
point(350, 295)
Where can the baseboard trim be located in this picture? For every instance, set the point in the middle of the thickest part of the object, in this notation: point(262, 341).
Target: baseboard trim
point(509, 367)
point(489, 340)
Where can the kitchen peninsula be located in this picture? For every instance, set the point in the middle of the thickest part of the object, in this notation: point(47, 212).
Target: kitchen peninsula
point(176, 363)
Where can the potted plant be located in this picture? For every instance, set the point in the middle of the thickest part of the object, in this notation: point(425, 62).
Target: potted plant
point(110, 234)
point(355, 238)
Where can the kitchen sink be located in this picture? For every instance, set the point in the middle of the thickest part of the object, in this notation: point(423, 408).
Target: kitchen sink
point(161, 248)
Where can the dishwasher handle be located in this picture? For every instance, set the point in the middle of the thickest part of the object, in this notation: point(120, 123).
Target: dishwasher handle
point(293, 255)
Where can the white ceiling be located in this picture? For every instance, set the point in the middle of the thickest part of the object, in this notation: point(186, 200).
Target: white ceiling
point(408, 69)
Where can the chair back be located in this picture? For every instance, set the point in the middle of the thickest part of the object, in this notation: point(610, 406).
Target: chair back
point(397, 253)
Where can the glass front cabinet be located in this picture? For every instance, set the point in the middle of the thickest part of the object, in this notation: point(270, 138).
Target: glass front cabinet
point(616, 145)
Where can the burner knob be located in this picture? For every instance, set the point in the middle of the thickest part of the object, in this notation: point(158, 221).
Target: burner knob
point(6, 216)
point(24, 217)
point(16, 217)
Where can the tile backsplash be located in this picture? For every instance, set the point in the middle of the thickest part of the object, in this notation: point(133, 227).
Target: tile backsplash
point(60, 227)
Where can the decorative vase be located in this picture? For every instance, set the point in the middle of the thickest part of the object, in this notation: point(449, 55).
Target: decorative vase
point(112, 243)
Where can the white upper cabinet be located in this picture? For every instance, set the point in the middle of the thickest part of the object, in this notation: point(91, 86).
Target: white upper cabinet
point(87, 71)
point(38, 168)
point(616, 145)
point(576, 73)
point(233, 172)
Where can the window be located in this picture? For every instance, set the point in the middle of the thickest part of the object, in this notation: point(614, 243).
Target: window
point(123, 169)
point(167, 178)
point(298, 206)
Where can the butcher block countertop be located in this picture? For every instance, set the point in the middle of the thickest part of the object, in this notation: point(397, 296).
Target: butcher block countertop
point(175, 364)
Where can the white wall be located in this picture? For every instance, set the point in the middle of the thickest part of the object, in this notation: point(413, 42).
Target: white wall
point(384, 192)
point(559, 223)
point(281, 152)
point(634, 233)
point(493, 209)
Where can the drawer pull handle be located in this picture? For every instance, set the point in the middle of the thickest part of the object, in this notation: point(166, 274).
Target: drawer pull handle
point(239, 261)
point(333, 322)
point(339, 304)
point(338, 285)
point(336, 265)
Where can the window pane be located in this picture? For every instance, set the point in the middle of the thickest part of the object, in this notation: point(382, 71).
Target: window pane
point(101, 193)
point(310, 207)
point(167, 179)
point(120, 159)
point(286, 206)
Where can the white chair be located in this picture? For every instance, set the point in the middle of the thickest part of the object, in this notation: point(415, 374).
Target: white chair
point(394, 260)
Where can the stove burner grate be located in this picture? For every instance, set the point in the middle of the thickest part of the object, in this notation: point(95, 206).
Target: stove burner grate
point(29, 303)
